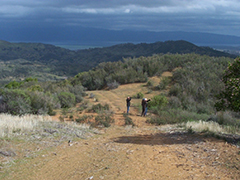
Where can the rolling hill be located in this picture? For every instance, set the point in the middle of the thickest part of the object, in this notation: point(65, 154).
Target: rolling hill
point(49, 62)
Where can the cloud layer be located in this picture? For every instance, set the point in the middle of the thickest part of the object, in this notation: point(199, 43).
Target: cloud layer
point(213, 16)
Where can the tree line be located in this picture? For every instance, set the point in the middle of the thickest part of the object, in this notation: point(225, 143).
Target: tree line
point(193, 89)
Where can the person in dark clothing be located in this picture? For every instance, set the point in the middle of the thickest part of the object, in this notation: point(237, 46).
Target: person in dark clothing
point(144, 106)
point(128, 103)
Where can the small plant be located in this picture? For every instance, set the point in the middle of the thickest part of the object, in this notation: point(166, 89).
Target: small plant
point(139, 95)
point(99, 108)
point(149, 84)
point(83, 106)
point(83, 119)
point(104, 120)
point(128, 120)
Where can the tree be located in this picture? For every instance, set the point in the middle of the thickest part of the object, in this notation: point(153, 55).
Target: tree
point(229, 98)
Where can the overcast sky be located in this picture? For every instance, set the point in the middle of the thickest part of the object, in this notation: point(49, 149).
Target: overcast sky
point(212, 16)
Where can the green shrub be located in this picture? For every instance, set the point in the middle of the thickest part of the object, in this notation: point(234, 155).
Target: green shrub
point(139, 95)
point(35, 88)
point(99, 108)
point(104, 120)
point(172, 116)
point(82, 106)
point(175, 90)
point(158, 102)
point(42, 103)
point(78, 91)
point(15, 102)
point(226, 118)
point(13, 85)
point(174, 103)
point(29, 79)
point(66, 99)
point(128, 120)
point(229, 98)
point(113, 85)
point(83, 119)
point(164, 83)
point(149, 84)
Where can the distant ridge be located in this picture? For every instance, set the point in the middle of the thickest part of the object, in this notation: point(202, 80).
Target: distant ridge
point(64, 62)
point(96, 36)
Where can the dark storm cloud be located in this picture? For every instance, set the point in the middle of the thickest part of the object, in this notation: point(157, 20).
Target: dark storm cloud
point(216, 16)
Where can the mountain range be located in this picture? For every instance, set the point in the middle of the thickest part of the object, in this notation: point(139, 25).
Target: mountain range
point(49, 62)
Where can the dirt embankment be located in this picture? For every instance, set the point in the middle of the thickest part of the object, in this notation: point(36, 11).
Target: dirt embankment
point(140, 152)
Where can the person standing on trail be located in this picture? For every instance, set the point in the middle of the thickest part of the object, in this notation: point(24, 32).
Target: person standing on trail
point(144, 106)
point(128, 103)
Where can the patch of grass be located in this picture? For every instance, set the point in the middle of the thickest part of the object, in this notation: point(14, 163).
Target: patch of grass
point(203, 126)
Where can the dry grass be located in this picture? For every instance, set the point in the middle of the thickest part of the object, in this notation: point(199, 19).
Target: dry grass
point(37, 124)
point(10, 124)
point(210, 126)
point(202, 126)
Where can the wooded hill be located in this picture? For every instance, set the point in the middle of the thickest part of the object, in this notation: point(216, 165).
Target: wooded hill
point(48, 62)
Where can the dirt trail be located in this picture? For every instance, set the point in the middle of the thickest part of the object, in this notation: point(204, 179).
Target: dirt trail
point(140, 152)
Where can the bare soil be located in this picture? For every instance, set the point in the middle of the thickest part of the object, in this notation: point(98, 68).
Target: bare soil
point(144, 152)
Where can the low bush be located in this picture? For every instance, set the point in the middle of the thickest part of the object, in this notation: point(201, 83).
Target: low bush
point(226, 118)
point(139, 95)
point(172, 116)
point(99, 108)
point(84, 119)
point(15, 102)
point(158, 102)
point(103, 120)
point(128, 120)
point(149, 84)
point(66, 99)
point(164, 83)
point(113, 85)
point(42, 103)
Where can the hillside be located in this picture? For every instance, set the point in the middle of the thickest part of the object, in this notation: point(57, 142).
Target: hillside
point(48, 62)
point(124, 152)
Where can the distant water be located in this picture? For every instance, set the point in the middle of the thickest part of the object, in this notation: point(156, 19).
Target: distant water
point(87, 45)
point(99, 44)
point(76, 45)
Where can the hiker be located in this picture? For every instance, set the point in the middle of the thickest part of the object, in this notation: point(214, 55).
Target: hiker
point(144, 106)
point(128, 103)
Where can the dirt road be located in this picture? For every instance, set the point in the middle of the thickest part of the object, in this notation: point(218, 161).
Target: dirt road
point(143, 152)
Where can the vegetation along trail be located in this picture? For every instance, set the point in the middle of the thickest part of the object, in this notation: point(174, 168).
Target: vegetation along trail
point(142, 151)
